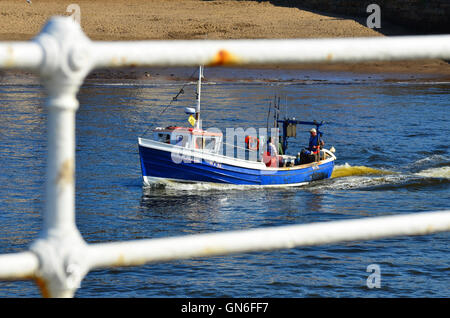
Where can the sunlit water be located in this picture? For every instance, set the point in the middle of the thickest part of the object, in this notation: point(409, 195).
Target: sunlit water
point(392, 145)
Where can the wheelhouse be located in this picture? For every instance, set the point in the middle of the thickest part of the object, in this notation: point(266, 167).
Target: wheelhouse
point(193, 138)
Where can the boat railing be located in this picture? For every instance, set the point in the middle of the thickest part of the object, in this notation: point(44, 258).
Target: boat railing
point(63, 55)
point(239, 147)
point(329, 153)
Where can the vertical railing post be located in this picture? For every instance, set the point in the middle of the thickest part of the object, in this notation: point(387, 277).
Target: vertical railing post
point(60, 247)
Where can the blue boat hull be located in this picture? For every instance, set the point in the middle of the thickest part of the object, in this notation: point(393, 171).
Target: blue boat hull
point(156, 163)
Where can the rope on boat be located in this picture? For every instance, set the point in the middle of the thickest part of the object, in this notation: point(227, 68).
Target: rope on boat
point(175, 98)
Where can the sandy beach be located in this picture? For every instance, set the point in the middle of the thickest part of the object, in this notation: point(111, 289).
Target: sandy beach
point(194, 19)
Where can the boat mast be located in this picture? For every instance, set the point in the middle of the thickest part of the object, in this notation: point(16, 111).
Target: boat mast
point(199, 91)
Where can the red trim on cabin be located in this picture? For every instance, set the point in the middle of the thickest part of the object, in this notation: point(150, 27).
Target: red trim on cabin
point(192, 131)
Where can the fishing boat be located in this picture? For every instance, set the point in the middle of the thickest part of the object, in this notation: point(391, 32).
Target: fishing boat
point(194, 155)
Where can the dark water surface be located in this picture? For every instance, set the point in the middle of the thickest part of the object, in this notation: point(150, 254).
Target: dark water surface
point(392, 144)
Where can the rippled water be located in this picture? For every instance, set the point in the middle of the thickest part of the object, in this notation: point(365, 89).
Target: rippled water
point(393, 157)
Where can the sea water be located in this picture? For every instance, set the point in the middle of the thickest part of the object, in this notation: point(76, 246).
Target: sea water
point(393, 157)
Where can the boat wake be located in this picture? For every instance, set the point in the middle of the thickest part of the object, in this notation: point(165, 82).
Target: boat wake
point(200, 186)
point(348, 170)
point(348, 177)
point(439, 172)
point(208, 186)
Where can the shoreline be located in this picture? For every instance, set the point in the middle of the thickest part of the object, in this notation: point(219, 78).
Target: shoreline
point(237, 75)
point(424, 70)
point(113, 20)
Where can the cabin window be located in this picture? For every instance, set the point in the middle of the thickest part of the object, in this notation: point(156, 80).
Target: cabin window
point(181, 140)
point(199, 143)
point(210, 144)
point(164, 138)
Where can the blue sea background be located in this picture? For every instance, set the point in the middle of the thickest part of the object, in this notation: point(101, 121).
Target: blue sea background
point(400, 128)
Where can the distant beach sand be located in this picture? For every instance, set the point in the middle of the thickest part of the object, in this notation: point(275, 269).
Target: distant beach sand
point(194, 19)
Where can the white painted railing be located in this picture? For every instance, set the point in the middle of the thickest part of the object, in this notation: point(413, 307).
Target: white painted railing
point(62, 55)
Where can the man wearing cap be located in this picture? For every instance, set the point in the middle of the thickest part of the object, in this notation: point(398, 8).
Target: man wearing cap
point(311, 153)
point(314, 142)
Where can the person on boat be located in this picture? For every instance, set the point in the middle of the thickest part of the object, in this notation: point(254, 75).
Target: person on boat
point(312, 152)
point(280, 146)
point(272, 158)
point(315, 143)
point(272, 149)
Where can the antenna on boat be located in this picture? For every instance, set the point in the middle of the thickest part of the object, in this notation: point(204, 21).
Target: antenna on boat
point(276, 114)
point(199, 91)
point(285, 107)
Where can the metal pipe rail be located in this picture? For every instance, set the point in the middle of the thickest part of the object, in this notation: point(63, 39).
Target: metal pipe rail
point(245, 52)
point(62, 55)
point(282, 237)
point(237, 52)
point(139, 252)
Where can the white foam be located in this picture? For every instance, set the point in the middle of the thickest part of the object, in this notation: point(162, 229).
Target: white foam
point(358, 182)
point(209, 186)
point(431, 159)
point(440, 172)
